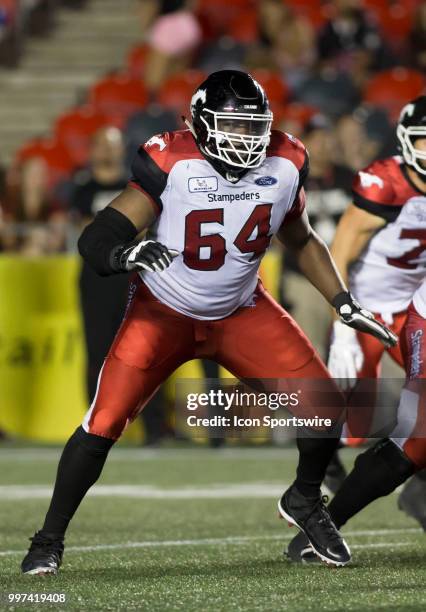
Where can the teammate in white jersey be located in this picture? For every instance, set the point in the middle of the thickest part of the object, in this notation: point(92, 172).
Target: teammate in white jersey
point(386, 226)
point(380, 248)
point(379, 470)
point(211, 198)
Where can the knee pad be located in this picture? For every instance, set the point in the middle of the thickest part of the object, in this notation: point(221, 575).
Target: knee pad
point(92, 444)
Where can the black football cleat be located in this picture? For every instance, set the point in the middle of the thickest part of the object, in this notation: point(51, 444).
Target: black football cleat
point(300, 550)
point(335, 474)
point(412, 499)
point(44, 555)
point(311, 516)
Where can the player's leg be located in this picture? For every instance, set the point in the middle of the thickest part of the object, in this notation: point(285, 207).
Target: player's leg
point(152, 342)
point(362, 400)
point(410, 433)
point(263, 342)
point(381, 469)
point(360, 404)
point(412, 499)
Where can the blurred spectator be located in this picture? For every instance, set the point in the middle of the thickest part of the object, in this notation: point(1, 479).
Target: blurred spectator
point(286, 42)
point(349, 36)
point(153, 119)
point(35, 224)
point(354, 147)
point(173, 34)
point(222, 54)
point(103, 299)
point(294, 118)
point(417, 39)
point(333, 92)
point(328, 189)
point(379, 130)
point(329, 183)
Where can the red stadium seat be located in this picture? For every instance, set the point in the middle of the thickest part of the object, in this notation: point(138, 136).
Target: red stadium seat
point(391, 89)
point(293, 117)
point(55, 154)
point(395, 22)
point(298, 113)
point(75, 129)
point(276, 89)
point(219, 17)
point(136, 60)
point(177, 91)
point(244, 28)
point(118, 96)
point(314, 11)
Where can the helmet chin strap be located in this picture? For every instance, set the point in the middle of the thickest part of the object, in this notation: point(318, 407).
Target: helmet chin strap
point(189, 126)
point(232, 178)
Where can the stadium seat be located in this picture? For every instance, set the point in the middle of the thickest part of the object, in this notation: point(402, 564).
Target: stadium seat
point(244, 27)
point(314, 11)
point(177, 91)
point(219, 17)
point(276, 89)
point(395, 22)
point(53, 152)
point(136, 59)
point(118, 96)
point(299, 113)
point(74, 130)
point(391, 89)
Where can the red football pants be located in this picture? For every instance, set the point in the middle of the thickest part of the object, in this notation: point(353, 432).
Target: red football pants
point(259, 342)
point(410, 433)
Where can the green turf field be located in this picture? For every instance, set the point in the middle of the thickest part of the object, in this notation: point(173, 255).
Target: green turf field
point(197, 530)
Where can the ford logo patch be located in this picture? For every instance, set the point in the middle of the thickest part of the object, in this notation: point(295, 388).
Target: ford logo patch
point(263, 181)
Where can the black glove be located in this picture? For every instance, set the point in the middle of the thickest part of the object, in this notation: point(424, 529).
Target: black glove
point(147, 255)
point(352, 314)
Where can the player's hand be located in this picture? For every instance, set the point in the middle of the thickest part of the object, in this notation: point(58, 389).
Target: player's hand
point(145, 255)
point(345, 358)
point(352, 314)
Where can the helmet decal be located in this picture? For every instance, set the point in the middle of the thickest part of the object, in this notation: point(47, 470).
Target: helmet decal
point(199, 96)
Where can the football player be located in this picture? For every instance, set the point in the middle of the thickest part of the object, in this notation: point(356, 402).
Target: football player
point(382, 468)
point(389, 258)
point(211, 197)
point(380, 250)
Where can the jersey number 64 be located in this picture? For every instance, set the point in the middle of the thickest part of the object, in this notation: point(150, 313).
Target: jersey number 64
point(259, 219)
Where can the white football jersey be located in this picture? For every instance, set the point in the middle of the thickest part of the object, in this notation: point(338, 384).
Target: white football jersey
point(419, 300)
point(393, 264)
point(221, 229)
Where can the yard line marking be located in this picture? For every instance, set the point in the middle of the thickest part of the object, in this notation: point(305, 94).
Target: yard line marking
point(214, 491)
point(254, 490)
point(130, 454)
point(232, 540)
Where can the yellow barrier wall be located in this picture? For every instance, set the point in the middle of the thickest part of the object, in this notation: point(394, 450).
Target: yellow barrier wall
point(42, 392)
point(42, 395)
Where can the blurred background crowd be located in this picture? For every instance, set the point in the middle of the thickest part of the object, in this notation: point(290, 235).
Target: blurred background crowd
point(84, 82)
